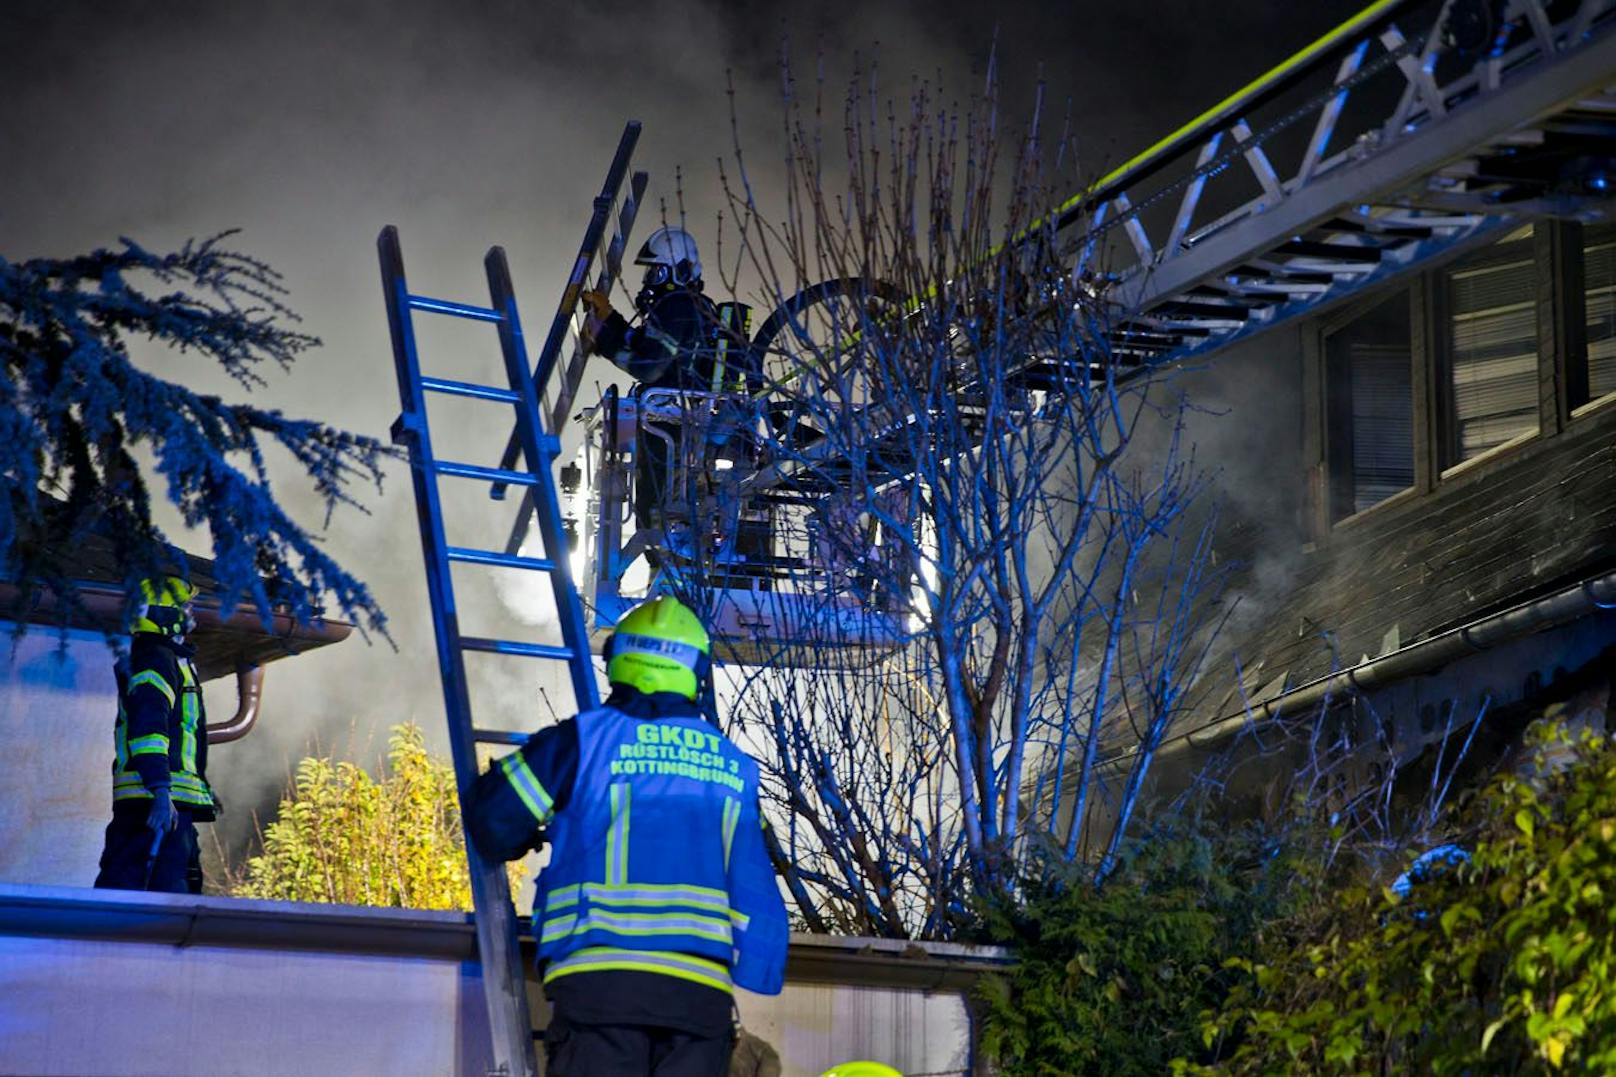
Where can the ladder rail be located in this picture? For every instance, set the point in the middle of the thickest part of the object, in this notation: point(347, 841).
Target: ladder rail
point(568, 306)
point(504, 984)
point(628, 213)
point(541, 448)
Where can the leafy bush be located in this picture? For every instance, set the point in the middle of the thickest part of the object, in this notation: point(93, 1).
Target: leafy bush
point(1114, 980)
point(343, 836)
point(1506, 965)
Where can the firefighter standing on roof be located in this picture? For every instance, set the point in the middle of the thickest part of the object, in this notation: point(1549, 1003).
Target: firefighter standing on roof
point(159, 773)
point(659, 895)
point(684, 342)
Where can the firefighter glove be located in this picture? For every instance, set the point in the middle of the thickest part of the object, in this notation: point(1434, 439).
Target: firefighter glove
point(163, 816)
point(597, 308)
point(599, 305)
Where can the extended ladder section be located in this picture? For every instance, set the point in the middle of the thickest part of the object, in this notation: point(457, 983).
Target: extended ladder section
point(503, 979)
point(1411, 130)
point(565, 322)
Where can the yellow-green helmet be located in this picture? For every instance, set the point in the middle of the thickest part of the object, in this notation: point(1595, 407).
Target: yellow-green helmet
point(162, 606)
point(659, 646)
point(862, 1069)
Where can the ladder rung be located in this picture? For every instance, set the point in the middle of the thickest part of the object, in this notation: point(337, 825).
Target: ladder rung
point(487, 474)
point(458, 310)
point(499, 560)
point(499, 736)
point(466, 388)
point(514, 647)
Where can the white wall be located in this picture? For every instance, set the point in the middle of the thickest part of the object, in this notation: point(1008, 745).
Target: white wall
point(112, 982)
point(816, 1026)
point(57, 709)
point(85, 1006)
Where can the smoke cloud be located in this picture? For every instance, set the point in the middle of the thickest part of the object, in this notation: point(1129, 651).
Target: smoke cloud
point(310, 126)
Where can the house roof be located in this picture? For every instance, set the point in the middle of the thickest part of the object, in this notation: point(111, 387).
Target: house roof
point(222, 643)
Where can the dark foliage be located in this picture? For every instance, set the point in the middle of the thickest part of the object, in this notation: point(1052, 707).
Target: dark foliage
point(1115, 980)
point(74, 409)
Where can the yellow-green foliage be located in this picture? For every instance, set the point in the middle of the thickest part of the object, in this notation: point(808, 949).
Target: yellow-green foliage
point(1505, 966)
point(343, 836)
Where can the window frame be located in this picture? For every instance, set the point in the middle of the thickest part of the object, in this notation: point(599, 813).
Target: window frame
point(1576, 400)
point(1444, 444)
point(1561, 355)
point(1336, 481)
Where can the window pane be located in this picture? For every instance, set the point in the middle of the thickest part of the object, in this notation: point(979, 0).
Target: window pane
point(1493, 358)
point(1382, 423)
point(1599, 283)
point(1371, 408)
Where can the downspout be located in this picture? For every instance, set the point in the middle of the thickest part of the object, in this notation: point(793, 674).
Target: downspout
point(249, 697)
point(1485, 633)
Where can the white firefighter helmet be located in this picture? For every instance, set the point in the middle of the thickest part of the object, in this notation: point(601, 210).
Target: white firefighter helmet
point(675, 249)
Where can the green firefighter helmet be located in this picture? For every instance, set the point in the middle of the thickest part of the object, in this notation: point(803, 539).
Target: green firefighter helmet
point(162, 609)
point(862, 1069)
point(660, 646)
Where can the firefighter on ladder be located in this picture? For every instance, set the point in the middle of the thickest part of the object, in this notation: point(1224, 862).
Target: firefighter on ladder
point(685, 342)
point(159, 784)
point(659, 895)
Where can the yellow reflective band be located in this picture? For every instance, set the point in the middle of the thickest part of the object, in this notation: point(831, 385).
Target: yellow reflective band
point(155, 679)
point(617, 837)
point(642, 925)
point(671, 343)
point(562, 895)
point(151, 744)
point(732, 816)
point(190, 715)
point(522, 779)
point(663, 962)
point(639, 894)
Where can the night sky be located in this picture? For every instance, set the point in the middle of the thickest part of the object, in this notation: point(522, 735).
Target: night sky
point(311, 125)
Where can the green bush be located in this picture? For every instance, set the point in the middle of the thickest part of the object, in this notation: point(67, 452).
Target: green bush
point(344, 836)
point(1115, 980)
point(1507, 965)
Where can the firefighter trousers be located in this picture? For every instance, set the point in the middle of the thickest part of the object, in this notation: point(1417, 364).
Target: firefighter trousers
point(588, 1050)
point(177, 868)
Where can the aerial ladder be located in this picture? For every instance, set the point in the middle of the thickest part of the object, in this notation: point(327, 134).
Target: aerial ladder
point(1410, 132)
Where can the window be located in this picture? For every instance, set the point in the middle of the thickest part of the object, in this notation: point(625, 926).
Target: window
point(1370, 403)
point(1492, 368)
point(1599, 299)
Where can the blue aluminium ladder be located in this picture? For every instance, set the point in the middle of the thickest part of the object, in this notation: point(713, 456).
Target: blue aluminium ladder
point(503, 980)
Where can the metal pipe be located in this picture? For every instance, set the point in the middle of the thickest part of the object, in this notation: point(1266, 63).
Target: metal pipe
point(249, 698)
point(1485, 633)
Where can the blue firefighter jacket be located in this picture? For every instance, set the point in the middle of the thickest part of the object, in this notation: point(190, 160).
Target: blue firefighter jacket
point(160, 737)
point(657, 863)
